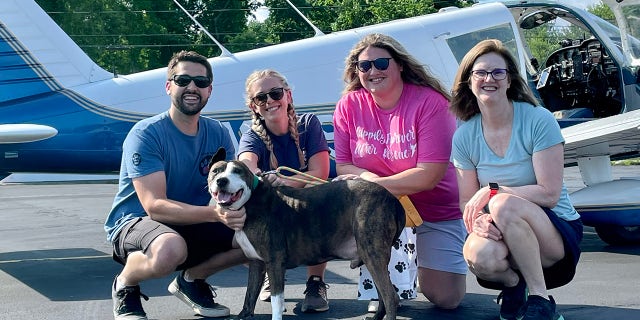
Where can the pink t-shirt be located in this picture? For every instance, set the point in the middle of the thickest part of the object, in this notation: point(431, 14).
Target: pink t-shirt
point(418, 130)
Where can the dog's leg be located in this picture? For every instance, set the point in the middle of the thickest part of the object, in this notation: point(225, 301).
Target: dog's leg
point(376, 257)
point(277, 306)
point(386, 293)
point(276, 281)
point(256, 277)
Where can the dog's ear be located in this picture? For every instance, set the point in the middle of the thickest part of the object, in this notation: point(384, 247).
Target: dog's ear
point(220, 155)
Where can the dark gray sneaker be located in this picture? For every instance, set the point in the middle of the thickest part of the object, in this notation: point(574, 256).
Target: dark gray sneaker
point(512, 300)
point(199, 296)
point(126, 303)
point(539, 308)
point(315, 296)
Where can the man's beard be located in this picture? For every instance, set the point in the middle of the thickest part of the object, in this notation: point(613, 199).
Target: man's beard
point(187, 109)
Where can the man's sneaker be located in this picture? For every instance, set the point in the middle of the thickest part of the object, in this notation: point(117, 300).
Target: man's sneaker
point(199, 296)
point(126, 303)
point(513, 299)
point(265, 291)
point(539, 308)
point(315, 296)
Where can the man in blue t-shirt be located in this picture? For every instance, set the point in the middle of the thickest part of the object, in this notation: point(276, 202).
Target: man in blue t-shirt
point(161, 220)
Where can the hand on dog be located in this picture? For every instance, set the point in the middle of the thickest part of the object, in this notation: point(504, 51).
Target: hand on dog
point(233, 219)
point(365, 175)
point(274, 180)
point(346, 177)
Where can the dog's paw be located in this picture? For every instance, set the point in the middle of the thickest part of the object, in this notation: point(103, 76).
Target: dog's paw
point(401, 267)
point(367, 284)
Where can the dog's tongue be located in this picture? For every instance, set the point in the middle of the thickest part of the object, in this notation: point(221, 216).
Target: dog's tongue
point(224, 197)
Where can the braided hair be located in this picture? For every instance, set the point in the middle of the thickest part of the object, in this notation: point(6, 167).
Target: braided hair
point(258, 124)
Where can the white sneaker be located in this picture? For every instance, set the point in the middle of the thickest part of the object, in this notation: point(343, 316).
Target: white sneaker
point(265, 292)
point(373, 306)
point(374, 303)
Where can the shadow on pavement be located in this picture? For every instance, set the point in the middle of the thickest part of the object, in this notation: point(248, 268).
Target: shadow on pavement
point(63, 274)
point(592, 243)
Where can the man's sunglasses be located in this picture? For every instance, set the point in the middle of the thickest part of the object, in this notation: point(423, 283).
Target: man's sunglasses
point(275, 94)
point(365, 65)
point(183, 80)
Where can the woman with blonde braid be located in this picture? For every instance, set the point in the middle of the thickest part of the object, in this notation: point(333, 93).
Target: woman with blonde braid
point(279, 137)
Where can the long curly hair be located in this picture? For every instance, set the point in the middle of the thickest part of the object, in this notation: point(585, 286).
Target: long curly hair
point(412, 70)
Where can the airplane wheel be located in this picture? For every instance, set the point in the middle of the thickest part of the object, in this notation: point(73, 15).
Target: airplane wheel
point(619, 235)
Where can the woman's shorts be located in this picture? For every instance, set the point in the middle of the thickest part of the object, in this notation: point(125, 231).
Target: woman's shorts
point(439, 246)
point(203, 240)
point(563, 271)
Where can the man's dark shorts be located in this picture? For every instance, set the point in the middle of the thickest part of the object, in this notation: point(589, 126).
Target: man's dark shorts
point(203, 240)
point(561, 272)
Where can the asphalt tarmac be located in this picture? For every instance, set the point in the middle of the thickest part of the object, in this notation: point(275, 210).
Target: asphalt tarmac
point(55, 263)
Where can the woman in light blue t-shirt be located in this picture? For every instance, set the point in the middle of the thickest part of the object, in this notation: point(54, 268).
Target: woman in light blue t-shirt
point(524, 234)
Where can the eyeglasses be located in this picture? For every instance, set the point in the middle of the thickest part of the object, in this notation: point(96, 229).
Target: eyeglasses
point(183, 80)
point(497, 74)
point(275, 94)
point(365, 65)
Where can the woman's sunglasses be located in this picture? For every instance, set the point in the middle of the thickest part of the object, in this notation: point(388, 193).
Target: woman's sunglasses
point(365, 65)
point(275, 95)
point(183, 80)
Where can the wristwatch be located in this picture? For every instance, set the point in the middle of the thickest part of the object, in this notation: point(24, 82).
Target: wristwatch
point(493, 186)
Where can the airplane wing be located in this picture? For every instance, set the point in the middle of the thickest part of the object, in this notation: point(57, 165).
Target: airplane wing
point(616, 136)
point(592, 145)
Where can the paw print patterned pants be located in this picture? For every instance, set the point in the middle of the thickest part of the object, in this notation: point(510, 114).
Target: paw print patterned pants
point(403, 269)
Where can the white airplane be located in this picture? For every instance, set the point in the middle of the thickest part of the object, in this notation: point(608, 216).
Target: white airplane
point(60, 112)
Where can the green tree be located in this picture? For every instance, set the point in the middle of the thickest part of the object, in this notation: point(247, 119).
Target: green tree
point(329, 16)
point(126, 36)
point(603, 11)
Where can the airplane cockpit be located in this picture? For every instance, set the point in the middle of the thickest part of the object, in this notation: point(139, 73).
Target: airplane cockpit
point(580, 77)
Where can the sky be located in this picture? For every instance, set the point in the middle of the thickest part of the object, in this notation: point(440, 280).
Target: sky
point(584, 3)
point(262, 13)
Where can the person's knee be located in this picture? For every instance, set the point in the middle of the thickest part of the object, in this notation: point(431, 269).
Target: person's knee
point(481, 254)
point(506, 210)
point(167, 256)
point(449, 299)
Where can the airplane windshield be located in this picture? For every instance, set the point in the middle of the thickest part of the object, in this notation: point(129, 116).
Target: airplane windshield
point(613, 32)
point(632, 14)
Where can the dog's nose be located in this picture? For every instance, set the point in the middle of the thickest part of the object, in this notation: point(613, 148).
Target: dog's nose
point(222, 182)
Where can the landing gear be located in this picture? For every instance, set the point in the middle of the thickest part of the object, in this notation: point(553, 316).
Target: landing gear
point(619, 235)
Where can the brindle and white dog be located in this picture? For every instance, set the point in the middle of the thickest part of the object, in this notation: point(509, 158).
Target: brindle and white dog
point(287, 227)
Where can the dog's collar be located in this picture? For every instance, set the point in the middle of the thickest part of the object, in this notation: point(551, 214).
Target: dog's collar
point(256, 180)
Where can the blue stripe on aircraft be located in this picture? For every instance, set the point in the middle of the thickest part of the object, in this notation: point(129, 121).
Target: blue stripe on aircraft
point(18, 78)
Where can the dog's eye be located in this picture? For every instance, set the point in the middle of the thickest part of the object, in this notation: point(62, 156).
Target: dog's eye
point(216, 170)
point(237, 170)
